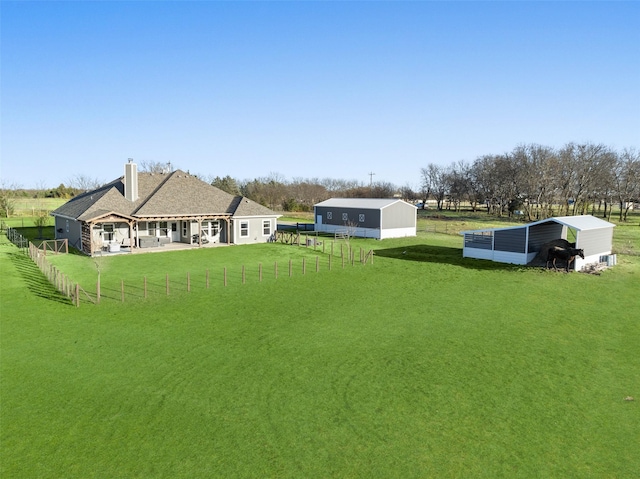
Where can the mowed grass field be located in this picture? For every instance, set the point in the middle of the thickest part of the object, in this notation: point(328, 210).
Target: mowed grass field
point(421, 365)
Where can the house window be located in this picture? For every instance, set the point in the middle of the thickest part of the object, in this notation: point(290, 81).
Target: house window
point(244, 228)
point(345, 216)
point(266, 227)
point(184, 228)
point(107, 232)
point(67, 226)
point(164, 231)
point(329, 215)
point(215, 228)
point(152, 228)
point(361, 218)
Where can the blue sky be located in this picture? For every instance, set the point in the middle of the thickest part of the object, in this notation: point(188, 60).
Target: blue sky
point(308, 89)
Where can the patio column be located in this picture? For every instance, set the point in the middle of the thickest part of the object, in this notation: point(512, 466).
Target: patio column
point(131, 239)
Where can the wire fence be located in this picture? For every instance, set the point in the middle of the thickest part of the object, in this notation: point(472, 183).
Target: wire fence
point(169, 284)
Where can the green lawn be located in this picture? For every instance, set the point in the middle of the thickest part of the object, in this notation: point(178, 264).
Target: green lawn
point(423, 364)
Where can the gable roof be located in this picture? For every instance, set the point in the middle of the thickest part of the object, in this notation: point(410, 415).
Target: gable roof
point(362, 203)
point(579, 223)
point(181, 194)
point(159, 195)
point(243, 207)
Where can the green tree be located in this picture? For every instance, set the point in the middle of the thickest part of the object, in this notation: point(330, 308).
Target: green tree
point(227, 184)
point(41, 220)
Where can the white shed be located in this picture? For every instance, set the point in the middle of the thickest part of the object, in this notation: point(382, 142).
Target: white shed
point(521, 244)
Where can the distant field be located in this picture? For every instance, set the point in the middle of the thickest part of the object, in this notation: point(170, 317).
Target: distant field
point(28, 206)
point(423, 364)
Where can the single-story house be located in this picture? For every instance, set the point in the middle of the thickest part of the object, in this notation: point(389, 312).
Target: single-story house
point(521, 244)
point(140, 210)
point(366, 217)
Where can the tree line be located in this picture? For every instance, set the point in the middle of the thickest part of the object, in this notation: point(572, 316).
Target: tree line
point(534, 180)
point(579, 178)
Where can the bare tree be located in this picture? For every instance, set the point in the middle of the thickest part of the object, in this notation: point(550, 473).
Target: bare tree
point(627, 180)
point(84, 183)
point(148, 166)
point(434, 183)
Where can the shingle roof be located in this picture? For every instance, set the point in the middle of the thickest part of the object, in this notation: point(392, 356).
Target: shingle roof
point(245, 207)
point(160, 194)
point(181, 194)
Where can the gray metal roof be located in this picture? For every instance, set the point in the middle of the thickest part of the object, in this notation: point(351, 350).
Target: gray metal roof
point(362, 203)
point(579, 223)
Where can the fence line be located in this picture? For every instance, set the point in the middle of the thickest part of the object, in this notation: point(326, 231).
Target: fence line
point(16, 238)
point(63, 284)
point(60, 281)
point(239, 276)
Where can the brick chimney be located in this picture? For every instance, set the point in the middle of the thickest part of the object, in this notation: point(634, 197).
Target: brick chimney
point(131, 180)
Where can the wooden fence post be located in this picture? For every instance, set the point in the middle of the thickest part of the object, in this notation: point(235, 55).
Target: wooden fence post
point(77, 295)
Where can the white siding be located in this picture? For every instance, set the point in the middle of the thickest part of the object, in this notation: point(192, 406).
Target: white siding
point(477, 253)
point(507, 257)
point(398, 232)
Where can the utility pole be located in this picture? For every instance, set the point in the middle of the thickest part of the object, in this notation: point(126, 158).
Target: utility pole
point(371, 178)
